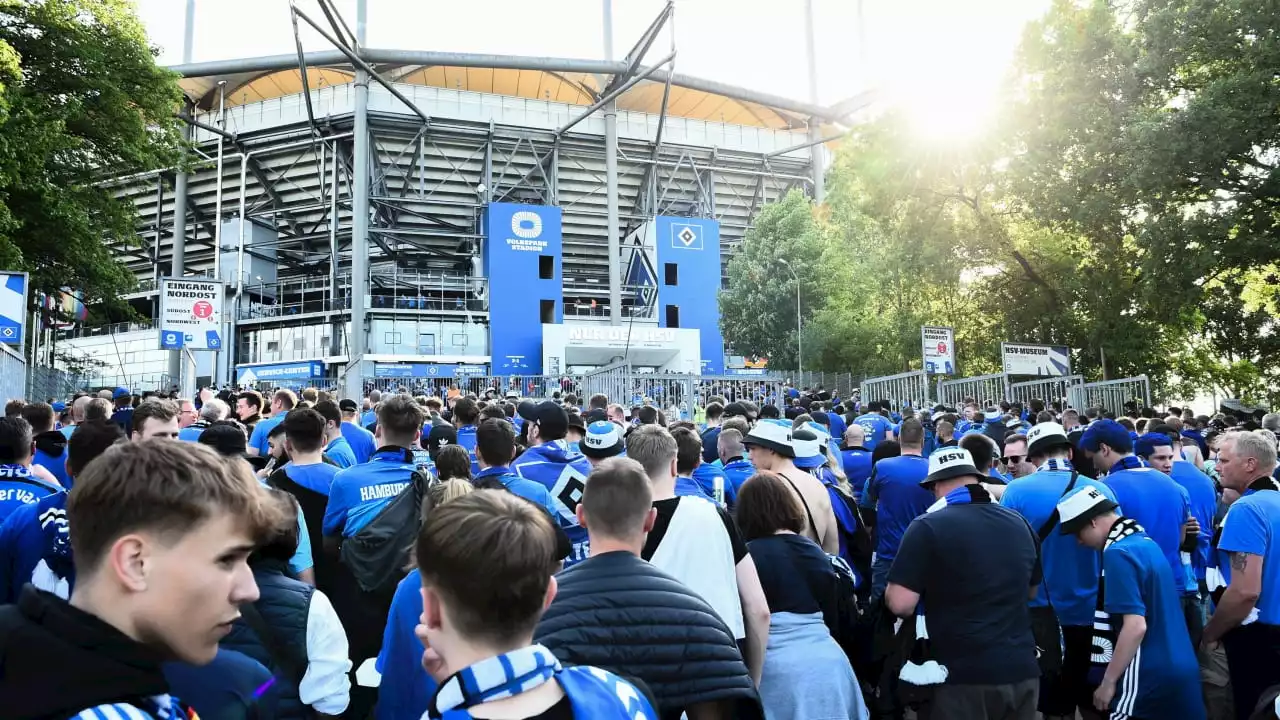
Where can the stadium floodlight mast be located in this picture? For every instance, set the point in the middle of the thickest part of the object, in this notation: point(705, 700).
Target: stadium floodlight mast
point(799, 324)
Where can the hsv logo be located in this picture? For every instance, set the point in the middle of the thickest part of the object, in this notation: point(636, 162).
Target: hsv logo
point(686, 237)
point(526, 224)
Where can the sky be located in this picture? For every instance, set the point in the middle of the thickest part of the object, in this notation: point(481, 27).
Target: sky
point(949, 51)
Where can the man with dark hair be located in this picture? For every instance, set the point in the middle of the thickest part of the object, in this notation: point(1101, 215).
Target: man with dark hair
point(614, 608)
point(309, 479)
point(155, 419)
point(249, 408)
point(686, 542)
point(282, 401)
point(160, 534)
point(338, 449)
point(360, 440)
point(13, 408)
point(598, 401)
point(715, 413)
point(486, 561)
point(694, 477)
point(557, 467)
point(495, 449)
point(19, 483)
point(51, 445)
point(893, 498)
point(977, 564)
point(984, 452)
point(1067, 599)
point(647, 415)
point(465, 414)
point(359, 492)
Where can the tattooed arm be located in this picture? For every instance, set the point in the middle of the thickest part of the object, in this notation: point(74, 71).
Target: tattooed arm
point(1239, 598)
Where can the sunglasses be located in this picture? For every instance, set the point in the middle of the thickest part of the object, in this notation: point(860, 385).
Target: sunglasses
point(1012, 459)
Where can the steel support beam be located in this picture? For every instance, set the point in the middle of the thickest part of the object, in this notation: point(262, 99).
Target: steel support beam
point(178, 261)
point(354, 385)
point(512, 62)
point(612, 95)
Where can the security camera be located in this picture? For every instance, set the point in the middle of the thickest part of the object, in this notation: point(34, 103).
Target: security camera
point(480, 189)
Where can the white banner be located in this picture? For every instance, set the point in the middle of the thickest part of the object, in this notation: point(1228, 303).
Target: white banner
point(1036, 360)
point(191, 314)
point(939, 350)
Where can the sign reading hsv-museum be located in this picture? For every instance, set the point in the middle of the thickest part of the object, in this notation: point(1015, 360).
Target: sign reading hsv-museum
point(191, 314)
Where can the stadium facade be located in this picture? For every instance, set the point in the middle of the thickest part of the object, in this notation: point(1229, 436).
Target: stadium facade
point(390, 213)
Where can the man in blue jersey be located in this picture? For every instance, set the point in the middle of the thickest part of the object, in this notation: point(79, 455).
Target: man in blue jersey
point(19, 485)
point(1247, 617)
point(715, 415)
point(1145, 494)
point(856, 459)
point(1145, 665)
point(495, 449)
point(360, 440)
point(309, 479)
point(893, 498)
point(561, 471)
point(1068, 596)
point(370, 415)
point(359, 492)
point(51, 445)
point(336, 448)
point(123, 415)
point(733, 457)
point(465, 415)
point(1204, 500)
point(704, 479)
point(875, 427)
point(281, 403)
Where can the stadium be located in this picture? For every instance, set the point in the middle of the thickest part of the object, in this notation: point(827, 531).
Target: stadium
point(517, 216)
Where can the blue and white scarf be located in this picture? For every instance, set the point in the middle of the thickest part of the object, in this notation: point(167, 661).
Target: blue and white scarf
point(1056, 465)
point(500, 676)
point(56, 559)
point(1105, 633)
point(963, 495)
point(1128, 462)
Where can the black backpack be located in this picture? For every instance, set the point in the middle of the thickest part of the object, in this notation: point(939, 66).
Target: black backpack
point(378, 553)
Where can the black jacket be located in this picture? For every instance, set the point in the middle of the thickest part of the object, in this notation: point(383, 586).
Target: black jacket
point(56, 660)
point(618, 612)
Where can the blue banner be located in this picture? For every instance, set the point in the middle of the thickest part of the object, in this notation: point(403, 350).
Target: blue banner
point(306, 370)
point(522, 261)
point(427, 370)
point(13, 307)
point(692, 245)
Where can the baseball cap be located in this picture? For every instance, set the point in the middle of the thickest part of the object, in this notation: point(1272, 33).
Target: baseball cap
point(1106, 431)
point(948, 463)
point(603, 439)
point(1082, 506)
point(595, 415)
point(1148, 442)
point(348, 405)
point(577, 421)
point(807, 442)
point(120, 392)
point(821, 418)
point(512, 394)
point(59, 407)
point(772, 434)
point(736, 409)
point(228, 440)
point(440, 437)
point(548, 414)
point(1043, 437)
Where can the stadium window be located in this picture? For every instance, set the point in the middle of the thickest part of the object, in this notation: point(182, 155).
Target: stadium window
point(673, 316)
point(672, 272)
point(548, 311)
point(546, 267)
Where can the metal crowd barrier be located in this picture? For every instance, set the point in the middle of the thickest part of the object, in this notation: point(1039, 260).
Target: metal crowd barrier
point(1113, 394)
point(538, 387)
point(986, 390)
point(909, 387)
point(612, 381)
point(1067, 390)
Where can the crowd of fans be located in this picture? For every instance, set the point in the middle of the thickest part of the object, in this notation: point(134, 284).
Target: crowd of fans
point(298, 555)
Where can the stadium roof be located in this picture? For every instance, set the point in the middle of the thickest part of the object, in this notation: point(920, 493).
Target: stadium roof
point(577, 82)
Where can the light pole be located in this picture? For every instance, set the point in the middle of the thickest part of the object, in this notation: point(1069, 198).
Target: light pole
point(799, 325)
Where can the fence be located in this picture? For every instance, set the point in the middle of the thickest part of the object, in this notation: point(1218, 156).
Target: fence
point(900, 389)
point(1066, 390)
point(13, 374)
point(986, 390)
point(1114, 394)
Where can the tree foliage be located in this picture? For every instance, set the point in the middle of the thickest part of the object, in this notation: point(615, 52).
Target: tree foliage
point(82, 99)
point(1124, 202)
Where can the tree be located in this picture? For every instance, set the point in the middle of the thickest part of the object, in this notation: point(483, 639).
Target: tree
point(82, 99)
